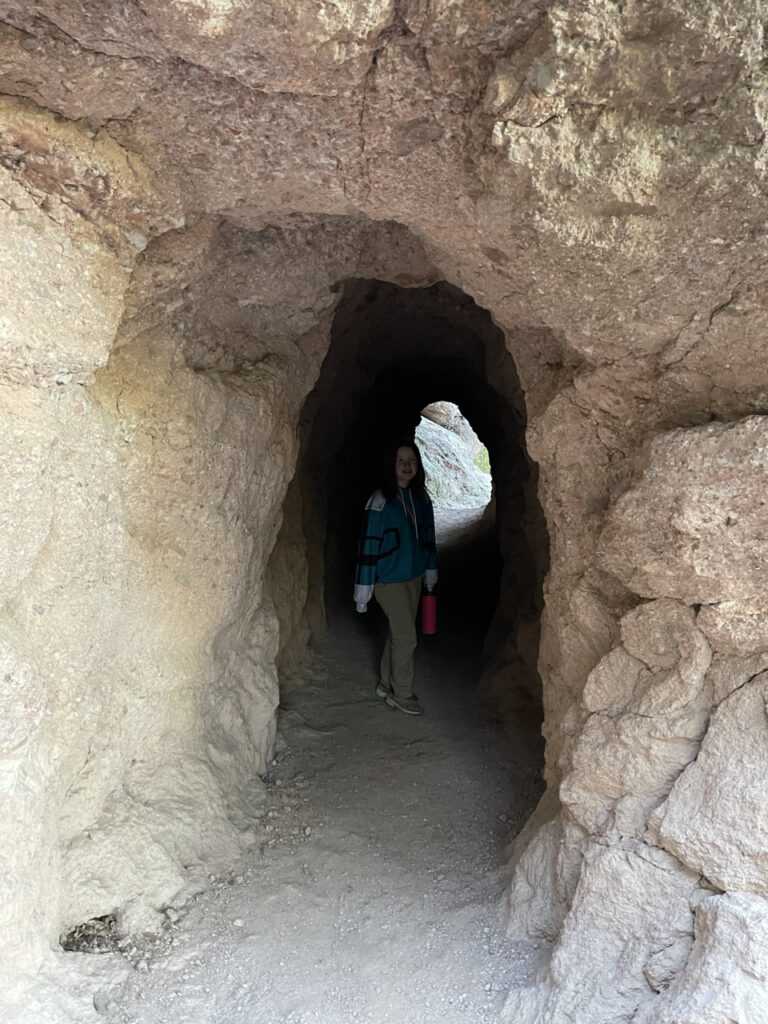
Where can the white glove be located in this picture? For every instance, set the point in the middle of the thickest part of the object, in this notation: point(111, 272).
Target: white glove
point(361, 607)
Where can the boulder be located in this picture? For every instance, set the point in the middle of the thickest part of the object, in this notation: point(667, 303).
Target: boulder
point(693, 526)
point(545, 871)
point(448, 415)
point(631, 908)
point(736, 627)
point(715, 819)
point(647, 710)
point(725, 978)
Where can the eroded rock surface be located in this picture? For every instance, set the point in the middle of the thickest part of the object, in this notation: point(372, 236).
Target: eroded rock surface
point(694, 528)
point(725, 839)
point(629, 929)
point(648, 710)
point(187, 192)
point(668, 744)
point(727, 967)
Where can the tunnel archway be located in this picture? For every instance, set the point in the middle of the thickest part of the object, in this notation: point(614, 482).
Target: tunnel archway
point(393, 351)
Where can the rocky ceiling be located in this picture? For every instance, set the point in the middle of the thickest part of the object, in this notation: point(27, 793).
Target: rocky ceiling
point(594, 168)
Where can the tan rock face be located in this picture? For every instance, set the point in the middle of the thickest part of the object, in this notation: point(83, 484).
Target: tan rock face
point(735, 627)
point(192, 194)
point(727, 967)
point(630, 914)
point(723, 839)
point(694, 527)
point(646, 720)
point(546, 872)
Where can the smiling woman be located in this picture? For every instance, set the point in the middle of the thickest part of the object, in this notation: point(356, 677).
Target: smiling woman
point(397, 552)
point(406, 465)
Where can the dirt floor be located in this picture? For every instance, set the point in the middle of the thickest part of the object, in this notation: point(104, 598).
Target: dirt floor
point(374, 893)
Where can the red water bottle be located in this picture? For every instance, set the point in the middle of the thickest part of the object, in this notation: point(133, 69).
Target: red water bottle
point(428, 614)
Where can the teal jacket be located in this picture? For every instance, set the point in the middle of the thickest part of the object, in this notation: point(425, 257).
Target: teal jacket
point(397, 543)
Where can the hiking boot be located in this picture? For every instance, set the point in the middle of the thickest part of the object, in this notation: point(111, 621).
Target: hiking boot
point(407, 704)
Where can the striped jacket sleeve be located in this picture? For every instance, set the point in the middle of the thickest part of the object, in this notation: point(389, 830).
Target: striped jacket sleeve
point(368, 550)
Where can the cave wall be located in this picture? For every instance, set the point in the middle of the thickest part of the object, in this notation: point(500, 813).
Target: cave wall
point(183, 187)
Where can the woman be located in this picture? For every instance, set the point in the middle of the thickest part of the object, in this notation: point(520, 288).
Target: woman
point(397, 551)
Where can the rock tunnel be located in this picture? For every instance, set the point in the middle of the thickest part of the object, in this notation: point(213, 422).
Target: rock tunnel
point(242, 244)
point(393, 351)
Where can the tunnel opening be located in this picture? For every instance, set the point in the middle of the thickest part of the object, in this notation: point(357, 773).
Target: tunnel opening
point(465, 524)
point(456, 463)
point(394, 351)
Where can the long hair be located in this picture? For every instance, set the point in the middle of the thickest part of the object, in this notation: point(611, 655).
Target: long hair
point(388, 476)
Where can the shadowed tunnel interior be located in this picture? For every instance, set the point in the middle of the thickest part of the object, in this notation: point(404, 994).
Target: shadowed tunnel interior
point(393, 351)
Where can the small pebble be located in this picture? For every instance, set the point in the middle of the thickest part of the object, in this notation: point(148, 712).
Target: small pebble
point(238, 922)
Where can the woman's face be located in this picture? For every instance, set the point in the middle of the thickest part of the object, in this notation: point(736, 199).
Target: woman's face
point(406, 466)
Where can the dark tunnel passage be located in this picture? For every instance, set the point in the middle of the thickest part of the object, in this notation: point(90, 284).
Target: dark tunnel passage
point(394, 351)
